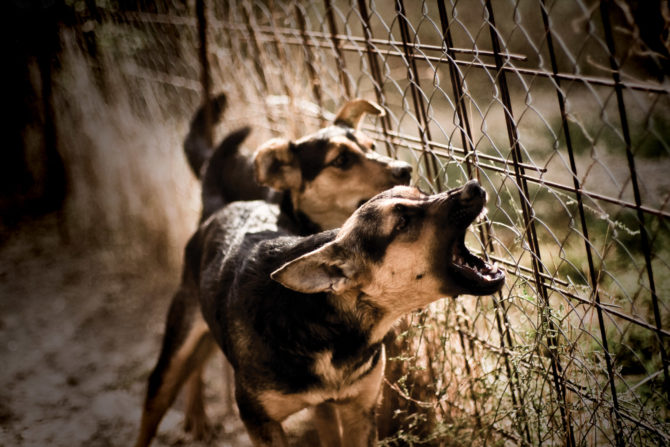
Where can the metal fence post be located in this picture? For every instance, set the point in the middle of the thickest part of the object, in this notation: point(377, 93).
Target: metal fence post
point(205, 76)
point(531, 235)
point(644, 237)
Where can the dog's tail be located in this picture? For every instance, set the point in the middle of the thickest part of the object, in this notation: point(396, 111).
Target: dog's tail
point(229, 176)
point(225, 173)
point(196, 146)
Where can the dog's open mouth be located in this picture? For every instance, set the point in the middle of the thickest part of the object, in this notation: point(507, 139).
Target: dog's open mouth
point(478, 276)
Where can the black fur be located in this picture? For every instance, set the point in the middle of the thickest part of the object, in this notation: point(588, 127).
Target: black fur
point(373, 242)
point(229, 176)
point(311, 156)
point(312, 152)
point(196, 148)
point(289, 328)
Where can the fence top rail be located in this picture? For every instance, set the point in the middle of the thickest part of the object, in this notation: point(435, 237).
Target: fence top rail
point(270, 34)
point(292, 39)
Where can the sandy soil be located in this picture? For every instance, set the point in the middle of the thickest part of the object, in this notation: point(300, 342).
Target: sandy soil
point(79, 334)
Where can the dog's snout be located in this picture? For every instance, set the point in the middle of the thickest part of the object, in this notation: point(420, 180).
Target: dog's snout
point(401, 171)
point(472, 190)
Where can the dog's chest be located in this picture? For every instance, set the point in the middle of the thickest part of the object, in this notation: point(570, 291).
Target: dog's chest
point(337, 377)
point(339, 384)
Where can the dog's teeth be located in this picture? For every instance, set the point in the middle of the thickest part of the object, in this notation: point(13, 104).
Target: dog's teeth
point(494, 268)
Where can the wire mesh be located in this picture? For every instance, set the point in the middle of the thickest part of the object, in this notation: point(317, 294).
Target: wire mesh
point(559, 108)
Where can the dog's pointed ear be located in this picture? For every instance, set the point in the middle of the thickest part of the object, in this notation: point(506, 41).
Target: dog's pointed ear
point(276, 165)
point(327, 269)
point(352, 112)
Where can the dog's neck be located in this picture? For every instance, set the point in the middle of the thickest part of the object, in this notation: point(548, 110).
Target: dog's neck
point(372, 319)
point(302, 223)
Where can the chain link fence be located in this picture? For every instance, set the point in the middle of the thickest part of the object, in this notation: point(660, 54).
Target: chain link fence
point(559, 108)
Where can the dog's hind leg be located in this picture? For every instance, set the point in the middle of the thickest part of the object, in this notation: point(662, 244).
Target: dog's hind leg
point(187, 344)
point(196, 420)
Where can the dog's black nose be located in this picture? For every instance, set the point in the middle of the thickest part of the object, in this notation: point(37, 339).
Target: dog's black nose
point(472, 190)
point(401, 171)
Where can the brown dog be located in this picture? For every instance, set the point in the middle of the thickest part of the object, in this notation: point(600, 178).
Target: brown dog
point(302, 319)
point(323, 177)
point(318, 181)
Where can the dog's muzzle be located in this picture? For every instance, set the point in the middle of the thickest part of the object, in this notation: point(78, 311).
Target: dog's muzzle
point(401, 171)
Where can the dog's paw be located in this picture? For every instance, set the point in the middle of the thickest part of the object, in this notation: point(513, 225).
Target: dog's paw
point(198, 425)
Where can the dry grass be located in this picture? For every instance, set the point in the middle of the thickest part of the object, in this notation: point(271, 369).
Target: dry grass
point(130, 188)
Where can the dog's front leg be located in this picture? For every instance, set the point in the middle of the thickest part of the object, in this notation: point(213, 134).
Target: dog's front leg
point(263, 431)
point(359, 427)
point(357, 415)
point(266, 434)
point(327, 423)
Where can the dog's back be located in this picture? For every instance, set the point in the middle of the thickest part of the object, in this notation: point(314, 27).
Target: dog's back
point(224, 242)
point(242, 245)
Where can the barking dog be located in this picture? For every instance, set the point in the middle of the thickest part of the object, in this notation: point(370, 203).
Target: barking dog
point(324, 176)
point(317, 182)
point(302, 319)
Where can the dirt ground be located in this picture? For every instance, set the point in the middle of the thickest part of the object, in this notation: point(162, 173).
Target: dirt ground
point(79, 333)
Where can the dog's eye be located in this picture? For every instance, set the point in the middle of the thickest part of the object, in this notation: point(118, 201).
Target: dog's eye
point(341, 160)
point(403, 218)
point(402, 223)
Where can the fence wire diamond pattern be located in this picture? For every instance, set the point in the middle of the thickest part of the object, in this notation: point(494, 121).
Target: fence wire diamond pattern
point(559, 108)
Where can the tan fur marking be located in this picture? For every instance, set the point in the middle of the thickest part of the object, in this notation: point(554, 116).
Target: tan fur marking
point(364, 391)
point(327, 421)
point(352, 112)
point(334, 195)
point(198, 330)
point(276, 154)
point(175, 374)
point(386, 207)
point(279, 406)
point(395, 282)
point(334, 377)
